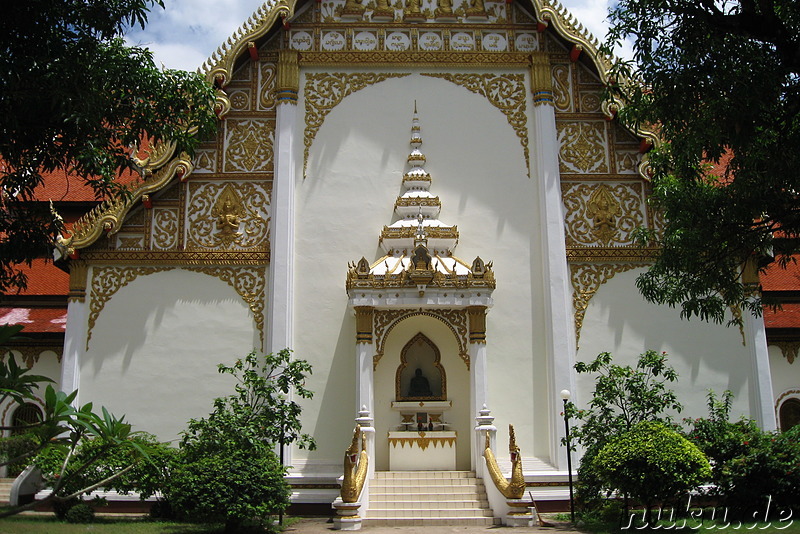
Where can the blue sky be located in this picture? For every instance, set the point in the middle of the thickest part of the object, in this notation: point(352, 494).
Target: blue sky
point(187, 32)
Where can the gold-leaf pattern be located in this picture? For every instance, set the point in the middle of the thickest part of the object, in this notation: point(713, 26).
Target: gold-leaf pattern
point(324, 91)
point(165, 229)
point(249, 145)
point(253, 218)
point(267, 77)
point(506, 92)
point(583, 146)
point(588, 225)
point(205, 161)
point(562, 88)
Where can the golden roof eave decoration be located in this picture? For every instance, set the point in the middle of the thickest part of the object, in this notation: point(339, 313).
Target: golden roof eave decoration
point(219, 66)
point(158, 168)
point(360, 277)
point(431, 232)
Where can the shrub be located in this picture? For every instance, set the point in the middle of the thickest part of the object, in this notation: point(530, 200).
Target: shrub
point(652, 463)
point(80, 513)
point(752, 470)
point(233, 486)
point(623, 397)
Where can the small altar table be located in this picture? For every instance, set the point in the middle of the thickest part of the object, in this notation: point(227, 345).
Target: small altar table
point(422, 450)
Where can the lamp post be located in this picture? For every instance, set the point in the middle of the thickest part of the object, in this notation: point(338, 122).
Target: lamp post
point(565, 395)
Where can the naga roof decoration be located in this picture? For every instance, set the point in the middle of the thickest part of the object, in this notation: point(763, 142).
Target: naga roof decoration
point(162, 165)
point(419, 247)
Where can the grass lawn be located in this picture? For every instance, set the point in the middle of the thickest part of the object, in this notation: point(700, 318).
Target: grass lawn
point(49, 524)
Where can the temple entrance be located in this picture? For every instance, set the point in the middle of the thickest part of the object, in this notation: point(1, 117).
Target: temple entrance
point(422, 397)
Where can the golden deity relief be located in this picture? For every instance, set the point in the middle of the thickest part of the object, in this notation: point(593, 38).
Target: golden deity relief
point(603, 210)
point(228, 212)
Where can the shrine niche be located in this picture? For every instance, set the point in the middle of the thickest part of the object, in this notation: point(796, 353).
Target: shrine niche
point(420, 375)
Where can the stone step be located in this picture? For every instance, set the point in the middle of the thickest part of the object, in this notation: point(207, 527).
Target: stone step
point(393, 475)
point(432, 521)
point(425, 482)
point(428, 512)
point(421, 506)
point(467, 494)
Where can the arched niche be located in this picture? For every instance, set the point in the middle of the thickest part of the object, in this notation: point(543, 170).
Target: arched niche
point(422, 354)
point(789, 414)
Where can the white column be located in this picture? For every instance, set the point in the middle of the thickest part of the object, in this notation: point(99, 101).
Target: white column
point(762, 398)
point(364, 377)
point(280, 316)
point(280, 323)
point(559, 314)
point(76, 331)
point(478, 397)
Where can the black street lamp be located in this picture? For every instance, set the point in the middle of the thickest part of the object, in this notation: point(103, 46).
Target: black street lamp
point(565, 395)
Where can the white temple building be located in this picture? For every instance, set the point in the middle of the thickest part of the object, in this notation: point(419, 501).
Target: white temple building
point(427, 185)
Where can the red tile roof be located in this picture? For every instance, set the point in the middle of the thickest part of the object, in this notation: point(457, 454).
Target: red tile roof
point(44, 278)
point(777, 278)
point(60, 186)
point(787, 317)
point(35, 320)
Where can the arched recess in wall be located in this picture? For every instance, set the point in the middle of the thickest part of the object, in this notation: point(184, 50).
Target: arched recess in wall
point(789, 413)
point(249, 282)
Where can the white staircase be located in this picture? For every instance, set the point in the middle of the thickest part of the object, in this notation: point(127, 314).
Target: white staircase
point(428, 498)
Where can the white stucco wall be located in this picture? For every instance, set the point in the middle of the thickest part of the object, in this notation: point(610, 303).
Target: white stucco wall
point(705, 355)
point(155, 347)
point(354, 177)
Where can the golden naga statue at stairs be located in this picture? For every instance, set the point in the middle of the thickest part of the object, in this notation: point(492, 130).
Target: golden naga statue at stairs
point(515, 488)
point(355, 468)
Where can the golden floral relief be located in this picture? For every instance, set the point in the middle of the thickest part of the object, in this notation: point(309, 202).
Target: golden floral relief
point(584, 147)
point(604, 214)
point(562, 88)
point(165, 229)
point(590, 102)
point(249, 145)
point(205, 160)
point(240, 100)
point(129, 241)
point(218, 216)
point(267, 75)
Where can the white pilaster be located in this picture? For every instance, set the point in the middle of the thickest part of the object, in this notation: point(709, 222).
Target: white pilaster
point(280, 321)
point(478, 398)
point(560, 328)
point(761, 396)
point(75, 334)
point(364, 377)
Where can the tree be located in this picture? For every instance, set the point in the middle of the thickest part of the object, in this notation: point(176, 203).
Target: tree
point(623, 397)
point(652, 463)
point(227, 469)
point(74, 97)
point(720, 83)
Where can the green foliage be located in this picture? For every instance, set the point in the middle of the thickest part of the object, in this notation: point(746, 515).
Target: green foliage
point(15, 382)
point(123, 465)
point(752, 470)
point(236, 485)
point(227, 469)
point(651, 462)
point(720, 80)
point(74, 97)
point(623, 397)
point(80, 513)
